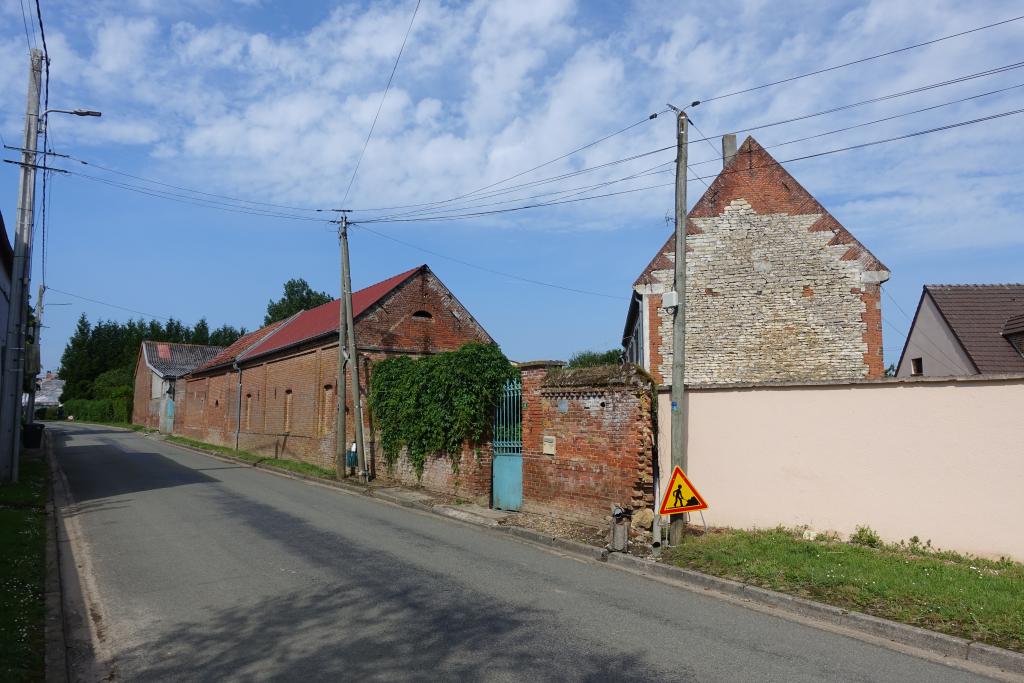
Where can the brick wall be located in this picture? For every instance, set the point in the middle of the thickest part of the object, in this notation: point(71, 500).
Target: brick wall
point(471, 481)
point(145, 410)
point(601, 420)
point(776, 288)
point(289, 404)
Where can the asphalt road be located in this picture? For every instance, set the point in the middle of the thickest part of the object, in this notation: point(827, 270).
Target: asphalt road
point(205, 570)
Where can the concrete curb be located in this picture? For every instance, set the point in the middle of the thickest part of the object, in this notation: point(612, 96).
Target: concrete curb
point(923, 639)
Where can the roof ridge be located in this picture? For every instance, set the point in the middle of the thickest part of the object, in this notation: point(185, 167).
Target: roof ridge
point(204, 346)
point(980, 285)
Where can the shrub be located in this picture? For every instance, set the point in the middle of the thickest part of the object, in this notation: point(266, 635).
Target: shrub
point(866, 536)
point(590, 359)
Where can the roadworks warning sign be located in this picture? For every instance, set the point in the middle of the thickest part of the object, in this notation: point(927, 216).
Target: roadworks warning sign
point(681, 496)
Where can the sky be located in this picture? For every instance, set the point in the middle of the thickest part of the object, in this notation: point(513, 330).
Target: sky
point(271, 102)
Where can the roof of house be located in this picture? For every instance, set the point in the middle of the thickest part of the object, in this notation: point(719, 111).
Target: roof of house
point(174, 360)
point(979, 315)
point(308, 325)
point(1014, 326)
point(749, 175)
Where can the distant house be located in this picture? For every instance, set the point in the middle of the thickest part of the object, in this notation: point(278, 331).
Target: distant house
point(157, 371)
point(48, 390)
point(274, 391)
point(776, 287)
point(965, 330)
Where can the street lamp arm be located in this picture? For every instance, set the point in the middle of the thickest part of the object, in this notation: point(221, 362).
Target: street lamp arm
point(73, 112)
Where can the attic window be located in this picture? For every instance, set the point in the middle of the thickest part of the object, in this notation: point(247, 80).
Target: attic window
point(916, 366)
point(423, 315)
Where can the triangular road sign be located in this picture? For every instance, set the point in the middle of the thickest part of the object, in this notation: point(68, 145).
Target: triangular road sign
point(681, 496)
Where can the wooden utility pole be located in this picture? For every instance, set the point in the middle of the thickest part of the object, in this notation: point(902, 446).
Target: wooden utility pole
point(341, 454)
point(678, 524)
point(353, 358)
point(14, 363)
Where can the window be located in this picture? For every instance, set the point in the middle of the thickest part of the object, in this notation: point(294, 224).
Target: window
point(287, 411)
point(422, 315)
point(916, 366)
point(248, 412)
point(327, 411)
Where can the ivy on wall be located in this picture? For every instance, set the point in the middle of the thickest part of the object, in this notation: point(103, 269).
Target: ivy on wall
point(432, 405)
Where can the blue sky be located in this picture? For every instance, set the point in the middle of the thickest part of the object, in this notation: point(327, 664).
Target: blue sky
point(271, 102)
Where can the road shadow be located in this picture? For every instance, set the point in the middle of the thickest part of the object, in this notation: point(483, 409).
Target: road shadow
point(106, 469)
point(374, 617)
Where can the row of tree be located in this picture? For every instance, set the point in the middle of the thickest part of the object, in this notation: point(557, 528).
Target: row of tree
point(99, 360)
point(98, 363)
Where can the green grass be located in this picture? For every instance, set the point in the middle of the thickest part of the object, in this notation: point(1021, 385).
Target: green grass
point(943, 591)
point(290, 465)
point(22, 567)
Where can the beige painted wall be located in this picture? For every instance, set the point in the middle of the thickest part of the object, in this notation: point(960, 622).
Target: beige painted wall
point(940, 459)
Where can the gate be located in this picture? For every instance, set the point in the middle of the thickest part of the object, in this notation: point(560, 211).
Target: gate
point(507, 467)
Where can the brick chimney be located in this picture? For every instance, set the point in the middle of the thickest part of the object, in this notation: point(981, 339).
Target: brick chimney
point(728, 148)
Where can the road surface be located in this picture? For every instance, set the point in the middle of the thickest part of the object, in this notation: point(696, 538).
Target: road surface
point(204, 570)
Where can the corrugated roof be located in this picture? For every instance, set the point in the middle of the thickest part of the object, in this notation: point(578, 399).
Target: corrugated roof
point(175, 360)
point(977, 315)
point(323, 319)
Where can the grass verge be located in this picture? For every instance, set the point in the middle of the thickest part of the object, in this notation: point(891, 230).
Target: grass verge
point(22, 572)
point(290, 465)
point(955, 594)
point(121, 425)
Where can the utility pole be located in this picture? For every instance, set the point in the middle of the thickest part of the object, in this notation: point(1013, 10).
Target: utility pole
point(14, 362)
point(353, 358)
point(678, 523)
point(341, 465)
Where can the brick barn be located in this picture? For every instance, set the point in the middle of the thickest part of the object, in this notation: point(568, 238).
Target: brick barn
point(157, 373)
point(274, 391)
point(776, 288)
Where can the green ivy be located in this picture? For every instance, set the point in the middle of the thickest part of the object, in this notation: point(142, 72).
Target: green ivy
point(431, 406)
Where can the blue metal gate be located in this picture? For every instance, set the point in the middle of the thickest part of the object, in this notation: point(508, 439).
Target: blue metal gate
point(507, 468)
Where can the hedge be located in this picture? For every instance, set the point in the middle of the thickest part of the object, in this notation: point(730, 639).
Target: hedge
point(100, 410)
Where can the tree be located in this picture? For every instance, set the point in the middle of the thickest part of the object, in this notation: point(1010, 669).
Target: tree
point(589, 359)
point(298, 296)
point(225, 335)
point(200, 333)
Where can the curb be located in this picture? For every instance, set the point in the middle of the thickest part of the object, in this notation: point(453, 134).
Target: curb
point(913, 636)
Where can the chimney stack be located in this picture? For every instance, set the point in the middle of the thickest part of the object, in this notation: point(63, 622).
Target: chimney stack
point(728, 148)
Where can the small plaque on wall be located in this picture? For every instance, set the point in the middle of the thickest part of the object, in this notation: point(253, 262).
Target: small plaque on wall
point(549, 445)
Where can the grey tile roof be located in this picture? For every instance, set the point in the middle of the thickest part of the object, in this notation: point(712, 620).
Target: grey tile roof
point(977, 315)
point(174, 360)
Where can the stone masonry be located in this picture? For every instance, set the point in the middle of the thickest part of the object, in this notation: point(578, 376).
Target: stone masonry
point(776, 288)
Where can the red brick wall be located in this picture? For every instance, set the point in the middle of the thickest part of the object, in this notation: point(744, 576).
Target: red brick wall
point(211, 410)
point(604, 442)
point(145, 411)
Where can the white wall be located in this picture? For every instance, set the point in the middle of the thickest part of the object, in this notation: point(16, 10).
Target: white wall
point(939, 459)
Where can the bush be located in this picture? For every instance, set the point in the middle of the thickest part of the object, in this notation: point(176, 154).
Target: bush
point(100, 409)
point(590, 359)
point(866, 536)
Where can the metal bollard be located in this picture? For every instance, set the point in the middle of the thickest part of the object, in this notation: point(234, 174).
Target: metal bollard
point(620, 523)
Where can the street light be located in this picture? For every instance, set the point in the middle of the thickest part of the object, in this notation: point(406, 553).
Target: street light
point(74, 112)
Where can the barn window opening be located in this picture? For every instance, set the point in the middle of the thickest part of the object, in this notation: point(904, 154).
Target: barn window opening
point(916, 366)
point(328, 411)
point(248, 412)
point(287, 411)
point(423, 315)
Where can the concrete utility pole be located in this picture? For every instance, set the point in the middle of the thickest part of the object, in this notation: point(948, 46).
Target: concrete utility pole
point(678, 524)
point(353, 358)
point(342, 438)
point(14, 362)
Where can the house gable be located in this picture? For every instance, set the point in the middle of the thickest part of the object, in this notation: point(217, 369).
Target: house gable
point(777, 288)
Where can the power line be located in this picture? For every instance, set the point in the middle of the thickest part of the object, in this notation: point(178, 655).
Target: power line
point(184, 199)
point(776, 163)
point(485, 269)
point(105, 303)
point(29, 41)
point(383, 97)
point(882, 98)
point(860, 61)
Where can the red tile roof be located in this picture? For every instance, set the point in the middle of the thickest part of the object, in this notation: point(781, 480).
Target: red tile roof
point(306, 325)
